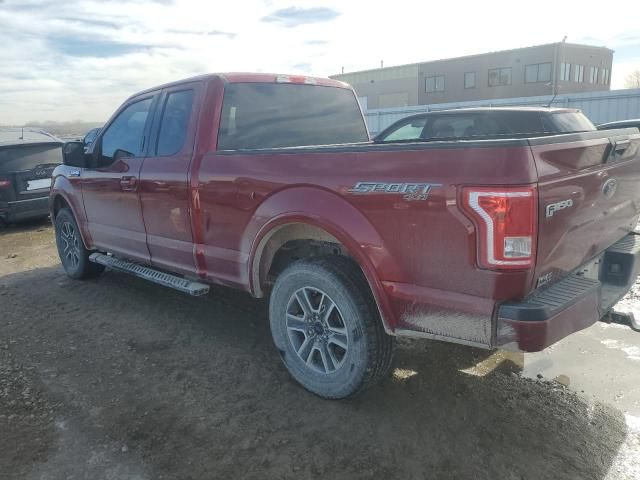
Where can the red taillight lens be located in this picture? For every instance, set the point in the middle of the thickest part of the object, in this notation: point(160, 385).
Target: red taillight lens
point(4, 183)
point(506, 220)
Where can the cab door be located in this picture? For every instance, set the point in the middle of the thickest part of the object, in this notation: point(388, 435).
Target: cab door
point(110, 186)
point(164, 179)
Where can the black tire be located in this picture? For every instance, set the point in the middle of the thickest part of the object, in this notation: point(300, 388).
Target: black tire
point(73, 254)
point(328, 281)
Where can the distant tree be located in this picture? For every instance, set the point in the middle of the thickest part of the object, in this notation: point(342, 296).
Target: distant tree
point(632, 80)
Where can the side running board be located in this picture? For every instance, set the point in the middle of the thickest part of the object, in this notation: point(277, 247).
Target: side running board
point(195, 289)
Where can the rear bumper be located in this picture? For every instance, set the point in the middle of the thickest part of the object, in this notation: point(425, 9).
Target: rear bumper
point(570, 305)
point(24, 209)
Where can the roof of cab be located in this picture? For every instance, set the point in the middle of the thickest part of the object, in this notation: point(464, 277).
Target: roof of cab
point(245, 77)
point(14, 136)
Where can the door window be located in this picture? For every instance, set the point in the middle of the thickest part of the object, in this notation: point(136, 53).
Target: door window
point(174, 123)
point(409, 131)
point(125, 134)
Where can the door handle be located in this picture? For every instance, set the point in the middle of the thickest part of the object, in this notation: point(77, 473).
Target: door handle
point(129, 183)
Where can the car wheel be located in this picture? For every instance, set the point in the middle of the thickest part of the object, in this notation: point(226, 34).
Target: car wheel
point(73, 254)
point(326, 326)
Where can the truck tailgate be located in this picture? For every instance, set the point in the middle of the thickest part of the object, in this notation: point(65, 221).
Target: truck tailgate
point(589, 197)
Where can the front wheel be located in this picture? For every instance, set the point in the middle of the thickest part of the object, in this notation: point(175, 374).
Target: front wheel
point(327, 329)
point(73, 254)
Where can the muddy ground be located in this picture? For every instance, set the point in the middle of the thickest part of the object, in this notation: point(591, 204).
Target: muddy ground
point(116, 378)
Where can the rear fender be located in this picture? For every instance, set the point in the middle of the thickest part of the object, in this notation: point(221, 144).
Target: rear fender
point(339, 219)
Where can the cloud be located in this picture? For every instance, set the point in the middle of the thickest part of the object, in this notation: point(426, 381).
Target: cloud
point(91, 22)
point(294, 16)
point(303, 67)
point(316, 42)
point(230, 35)
point(75, 46)
point(214, 33)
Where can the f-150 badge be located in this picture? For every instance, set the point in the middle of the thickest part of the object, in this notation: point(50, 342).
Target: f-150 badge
point(552, 208)
point(409, 191)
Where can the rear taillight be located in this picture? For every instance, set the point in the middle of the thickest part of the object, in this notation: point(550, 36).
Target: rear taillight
point(4, 183)
point(506, 218)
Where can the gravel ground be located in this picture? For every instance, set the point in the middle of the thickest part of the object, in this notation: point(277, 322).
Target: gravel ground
point(116, 378)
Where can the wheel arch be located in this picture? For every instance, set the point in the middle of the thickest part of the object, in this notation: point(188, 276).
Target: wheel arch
point(59, 199)
point(329, 219)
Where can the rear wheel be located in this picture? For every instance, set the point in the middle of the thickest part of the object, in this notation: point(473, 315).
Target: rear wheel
point(73, 254)
point(327, 329)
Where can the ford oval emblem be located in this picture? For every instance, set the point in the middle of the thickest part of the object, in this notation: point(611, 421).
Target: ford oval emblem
point(609, 188)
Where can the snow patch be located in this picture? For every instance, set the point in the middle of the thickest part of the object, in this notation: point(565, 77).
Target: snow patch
point(631, 351)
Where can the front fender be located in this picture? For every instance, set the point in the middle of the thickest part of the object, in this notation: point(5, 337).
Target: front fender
point(333, 214)
point(69, 190)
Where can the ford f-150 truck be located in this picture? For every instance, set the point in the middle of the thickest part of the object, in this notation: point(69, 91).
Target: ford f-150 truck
point(269, 184)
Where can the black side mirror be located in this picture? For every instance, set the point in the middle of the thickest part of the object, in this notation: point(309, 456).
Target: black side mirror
point(73, 155)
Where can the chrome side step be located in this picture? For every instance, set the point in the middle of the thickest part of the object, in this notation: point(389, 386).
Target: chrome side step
point(195, 289)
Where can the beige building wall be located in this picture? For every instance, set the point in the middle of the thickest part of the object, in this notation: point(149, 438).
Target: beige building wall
point(531, 71)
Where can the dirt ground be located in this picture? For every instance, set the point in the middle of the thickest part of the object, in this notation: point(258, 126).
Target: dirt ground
point(116, 378)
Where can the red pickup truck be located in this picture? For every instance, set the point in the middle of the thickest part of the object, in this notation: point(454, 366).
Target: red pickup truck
point(269, 184)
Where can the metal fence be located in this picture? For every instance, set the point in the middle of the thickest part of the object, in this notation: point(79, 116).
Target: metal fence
point(600, 107)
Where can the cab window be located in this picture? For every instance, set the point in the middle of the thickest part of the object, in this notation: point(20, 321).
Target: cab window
point(175, 122)
point(409, 131)
point(125, 135)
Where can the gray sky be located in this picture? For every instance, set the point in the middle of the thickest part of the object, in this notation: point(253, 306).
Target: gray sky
point(78, 60)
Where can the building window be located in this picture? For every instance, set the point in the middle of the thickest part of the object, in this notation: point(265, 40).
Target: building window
point(565, 72)
point(434, 84)
point(605, 76)
point(470, 80)
point(499, 76)
point(593, 75)
point(579, 73)
point(540, 72)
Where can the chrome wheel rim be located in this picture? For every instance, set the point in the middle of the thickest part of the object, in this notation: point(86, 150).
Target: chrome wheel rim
point(70, 245)
point(316, 330)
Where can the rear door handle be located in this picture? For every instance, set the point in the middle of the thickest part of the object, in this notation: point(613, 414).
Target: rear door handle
point(129, 184)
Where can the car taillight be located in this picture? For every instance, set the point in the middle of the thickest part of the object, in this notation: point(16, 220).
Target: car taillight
point(506, 218)
point(4, 183)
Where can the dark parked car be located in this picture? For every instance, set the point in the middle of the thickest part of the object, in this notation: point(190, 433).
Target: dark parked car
point(27, 160)
point(633, 123)
point(478, 123)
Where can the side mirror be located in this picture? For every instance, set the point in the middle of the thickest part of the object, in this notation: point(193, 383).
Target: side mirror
point(73, 155)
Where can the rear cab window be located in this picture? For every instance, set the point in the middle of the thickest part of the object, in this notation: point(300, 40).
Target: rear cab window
point(175, 122)
point(273, 115)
